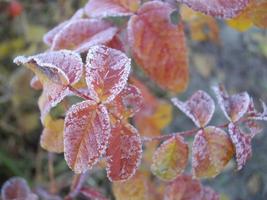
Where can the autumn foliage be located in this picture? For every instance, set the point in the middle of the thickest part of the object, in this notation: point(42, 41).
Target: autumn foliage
point(116, 120)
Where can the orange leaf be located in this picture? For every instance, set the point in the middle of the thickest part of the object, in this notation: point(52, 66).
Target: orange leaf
point(212, 149)
point(170, 159)
point(158, 45)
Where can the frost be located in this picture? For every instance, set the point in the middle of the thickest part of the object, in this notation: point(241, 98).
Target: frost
point(107, 72)
point(62, 67)
point(80, 34)
point(211, 151)
point(50, 35)
point(123, 153)
point(234, 107)
point(158, 46)
point(17, 188)
point(170, 159)
point(111, 8)
point(242, 142)
point(217, 8)
point(86, 134)
point(199, 108)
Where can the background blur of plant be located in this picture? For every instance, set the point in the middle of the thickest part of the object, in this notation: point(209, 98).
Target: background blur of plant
point(218, 53)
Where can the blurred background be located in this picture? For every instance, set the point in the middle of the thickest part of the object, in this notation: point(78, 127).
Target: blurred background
point(218, 54)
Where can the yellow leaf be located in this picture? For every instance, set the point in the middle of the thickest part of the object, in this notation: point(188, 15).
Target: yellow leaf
point(52, 135)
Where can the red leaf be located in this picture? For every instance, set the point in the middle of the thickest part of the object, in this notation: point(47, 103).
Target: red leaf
point(127, 103)
point(17, 188)
point(183, 188)
point(123, 153)
point(111, 8)
point(36, 84)
point(86, 134)
point(242, 142)
point(254, 114)
point(217, 8)
point(107, 72)
point(211, 151)
point(50, 35)
point(200, 108)
point(234, 107)
point(62, 67)
point(158, 45)
point(92, 193)
point(81, 34)
point(55, 70)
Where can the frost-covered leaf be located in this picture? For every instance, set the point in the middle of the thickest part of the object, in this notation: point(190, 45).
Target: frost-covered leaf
point(170, 159)
point(107, 72)
point(80, 35)
point(62, 67)
point(253, 114)
point(52, 95)
point(183, 188)
point(200, 108)
point(127, 103)
point(111, 8)
point(235, 106)
point(159, 46)
point(217, 8)
point(86, 134)
point(52, 135)
point(212, 150)
point(50, 35)
point(242, 143)
point(55, 70)
point(254, 14)
point(17, 189)
point(92, 193)
point(133, 189)
point(124, 152)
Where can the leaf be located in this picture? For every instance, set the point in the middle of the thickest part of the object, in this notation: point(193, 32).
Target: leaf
point(50, 35)
point(107, 72)
point(242, 143)
point(86, 134)
point(56, 70)
point(80, 35)
point(170, 159)
point(253, 114)
point(254, 14)
point(17, 188)
point(92, 193)
point(217, 8)
point(127, 103)
point(111, 8)
point(133, 189)
point(234, 107)
point(123, 153)
point(62, 67)
point(199, 108)
point(158, 45)
point(183, 188)
point(52, 135)
point(211, 151)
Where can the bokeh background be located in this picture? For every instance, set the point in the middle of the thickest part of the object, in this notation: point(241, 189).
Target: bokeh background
point(236, 59)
